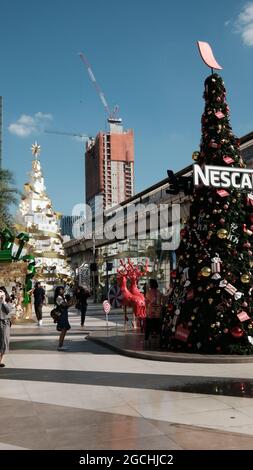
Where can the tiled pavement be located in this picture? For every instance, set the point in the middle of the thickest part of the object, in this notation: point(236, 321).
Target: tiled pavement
point(93, 398)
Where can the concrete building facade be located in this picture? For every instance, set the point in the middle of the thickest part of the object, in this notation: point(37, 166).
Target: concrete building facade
point(109, 166)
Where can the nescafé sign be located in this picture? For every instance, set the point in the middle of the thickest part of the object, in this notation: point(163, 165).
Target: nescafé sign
point(221, 177)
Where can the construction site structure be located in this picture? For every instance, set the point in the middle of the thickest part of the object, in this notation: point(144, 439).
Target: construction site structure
point(109, 158)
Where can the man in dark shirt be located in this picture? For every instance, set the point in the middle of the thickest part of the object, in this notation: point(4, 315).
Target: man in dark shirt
point(81, 302)
point(39, 298)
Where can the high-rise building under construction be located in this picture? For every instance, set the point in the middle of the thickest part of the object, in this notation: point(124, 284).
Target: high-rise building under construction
point(109, 166)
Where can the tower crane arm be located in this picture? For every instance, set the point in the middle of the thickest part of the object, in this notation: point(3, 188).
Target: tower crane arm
point(73, 134)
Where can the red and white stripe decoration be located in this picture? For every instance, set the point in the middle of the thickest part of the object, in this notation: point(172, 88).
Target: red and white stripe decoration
point(216, 264)
point(115, 296)
point(230, 289)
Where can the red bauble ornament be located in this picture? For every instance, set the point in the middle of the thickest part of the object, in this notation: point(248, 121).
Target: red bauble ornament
point(170, 307)
point(245, 304)
point(246, 244)
point(225, 207)
point(183, 233)
point(237, 332)
point(222, 221)
point(173, 274)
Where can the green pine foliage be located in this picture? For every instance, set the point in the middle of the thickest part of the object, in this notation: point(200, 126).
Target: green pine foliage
point(8, 196)
point(208, 295)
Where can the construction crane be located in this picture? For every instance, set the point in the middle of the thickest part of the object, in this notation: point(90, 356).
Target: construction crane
point(112, 116)
point(72, 134)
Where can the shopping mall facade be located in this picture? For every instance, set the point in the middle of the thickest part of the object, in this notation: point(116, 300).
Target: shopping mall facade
point(104, 255)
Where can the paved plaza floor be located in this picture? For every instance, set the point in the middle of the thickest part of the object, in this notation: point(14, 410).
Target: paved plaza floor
point(91, 397)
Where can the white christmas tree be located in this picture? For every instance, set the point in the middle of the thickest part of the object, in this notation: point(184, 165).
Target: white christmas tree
point(37, 217)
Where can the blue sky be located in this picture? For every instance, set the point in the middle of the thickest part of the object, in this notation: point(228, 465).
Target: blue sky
point(144, 56)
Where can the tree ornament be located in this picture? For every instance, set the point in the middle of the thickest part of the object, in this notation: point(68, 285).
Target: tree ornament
point(246, 244)
point(205, 271)
point(237, 332)
point(245, 278)
point(222, 233)
point(243, 316)
point(216, 264)
point(195, 156)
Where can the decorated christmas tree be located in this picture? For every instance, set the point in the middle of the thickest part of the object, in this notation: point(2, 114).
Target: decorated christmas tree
point(37, 217)
point(210, 309)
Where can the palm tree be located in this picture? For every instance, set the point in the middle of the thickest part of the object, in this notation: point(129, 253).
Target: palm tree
point(8, 196)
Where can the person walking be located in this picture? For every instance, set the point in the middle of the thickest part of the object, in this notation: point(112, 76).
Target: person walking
point(81, 302)
point(63, 323)
point(39, 299)
point(5, 323)
point(153, 301)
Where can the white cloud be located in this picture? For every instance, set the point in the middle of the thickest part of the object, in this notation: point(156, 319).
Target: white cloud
point(27, 125)
point(244, 24)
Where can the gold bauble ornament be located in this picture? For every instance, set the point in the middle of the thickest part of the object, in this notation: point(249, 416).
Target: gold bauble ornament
point(206, 271)
point(200, 260)
point(210, 301)
point(245, 278)
point(195, 156)
point(222, 233)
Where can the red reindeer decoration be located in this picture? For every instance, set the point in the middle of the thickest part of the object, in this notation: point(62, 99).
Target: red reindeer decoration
point(132, 297)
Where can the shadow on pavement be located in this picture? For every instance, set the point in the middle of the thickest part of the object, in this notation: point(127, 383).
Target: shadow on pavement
point(189, 384)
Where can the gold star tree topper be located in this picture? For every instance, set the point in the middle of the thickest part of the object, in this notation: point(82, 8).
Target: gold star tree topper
point(35, 148)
